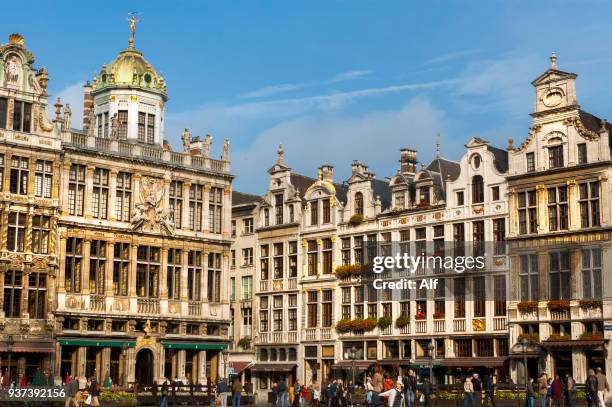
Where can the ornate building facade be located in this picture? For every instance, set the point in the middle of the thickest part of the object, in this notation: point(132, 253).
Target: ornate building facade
point(120, 246)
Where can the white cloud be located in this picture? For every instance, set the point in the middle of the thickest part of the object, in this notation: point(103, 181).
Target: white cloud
point(451, 56)
point(72, 95)
point(349, 76)
point(272, 90)
point(310, 141)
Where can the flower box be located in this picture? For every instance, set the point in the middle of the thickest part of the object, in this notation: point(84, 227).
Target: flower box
point(438, 315)
point(420, 315)
point(559, 337)
point(531, 338)
point(402, 321)
point(384, 322)
point(591, 336)
point(558, 305)
point(591, 304)
point(527, 306)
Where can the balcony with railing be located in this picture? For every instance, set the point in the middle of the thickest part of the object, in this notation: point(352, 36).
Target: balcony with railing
point(500, 323)
point(439, 325)
point(152, 153)
point(97, 303)
point(195, 308)
point(459, 325)
point(148, 306)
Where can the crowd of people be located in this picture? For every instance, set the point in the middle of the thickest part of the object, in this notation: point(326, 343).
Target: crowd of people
point(561, 391)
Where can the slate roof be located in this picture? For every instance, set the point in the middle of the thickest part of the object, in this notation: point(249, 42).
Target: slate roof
point(302, 183)
point(241, 198)
point(501, 158)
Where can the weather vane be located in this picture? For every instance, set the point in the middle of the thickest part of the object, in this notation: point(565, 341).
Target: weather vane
point(133, 20)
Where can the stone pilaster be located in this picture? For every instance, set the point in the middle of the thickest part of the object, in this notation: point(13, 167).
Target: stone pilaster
point(85, 266)
point(181, 364)
point(163, 273)
point(61, 288)
point(112, 195)
point(184, 276)
point(185, 220)
point(6, 182)
point(108, 272)
point(65, 180)
point(132, 275)
point(87, 210)
point(202, 366)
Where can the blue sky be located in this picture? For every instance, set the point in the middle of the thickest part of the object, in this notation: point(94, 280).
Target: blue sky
point(334, 81)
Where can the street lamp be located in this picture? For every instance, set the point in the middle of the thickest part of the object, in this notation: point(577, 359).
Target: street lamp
point(524, 342)
point(430, 350)
point(353, 355)
point(124, 355)
point(10, 341)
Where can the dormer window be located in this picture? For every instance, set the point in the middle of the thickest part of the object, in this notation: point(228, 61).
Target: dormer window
point(460, 198)
point(555, 156)
point(358, 203)
point(530, 161)
point(424, 195)
point(278, 208)
point(326, 211)
point(314, 212)
point(266, 217)
point(477, 189)
point(400, 199)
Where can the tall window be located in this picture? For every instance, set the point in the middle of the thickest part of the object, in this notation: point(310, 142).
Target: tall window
point(495, 193)
point(146, 127)
point(22, 116)
point(74, 263)
point(76, 189)
point(557, 208)
point(3, 112)
point(559, 275)
point(499, 296)
point(589, 204)
point(479, 293)
point(97, 267)
point(582, 153)
point(147, 271)
point(555, 157)
point(16, 232)
point(346, 251)
point(247, 287)
point(293, 265)
point(41, 228)
point(399, 199)
point(459, 294)
point(292, 312)
point(278, 261)
point(277, 315)
point(37, 295)
point(266, 216)
point(314, 212)
point(122, 122)
point(478, 237)
point(527, 212)
point(278, 208)
point(12, 293)
point(458, 239)
point(173, 274)
point(326, 308)
point(176, 202)
point(591, 273)
point(121, 268)
point(43, 178)
point(215, 208)
point(247, 256)
point(99, 204)
point(358, 203)
point(326, 211)
point(460, 198)
point(313, 257)
point(194, 275)
point(103, 126)
point(19, 175)
point(263, 314)
point(247, 321)
point(123, 198)
point(312, 309)
point(530, 158)
point(499, 236)
point(529, 276)
point(327, 256)
point(150, 128)
point(477, 189)
point(214, 277)
point(265, 261)
point(142, 118)
point(196, 205)
point(247, 225)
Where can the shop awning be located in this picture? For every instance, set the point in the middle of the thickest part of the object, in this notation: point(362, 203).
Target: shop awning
point(29, 347)
point(93, 343)
point(239, 366)
point(475, 361)
point(571, 344)
point(272, 367)
point(195, 345)
point(348, 364)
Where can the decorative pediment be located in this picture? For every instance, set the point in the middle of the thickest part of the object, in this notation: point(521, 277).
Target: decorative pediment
point(476, 142)
point(553, 75)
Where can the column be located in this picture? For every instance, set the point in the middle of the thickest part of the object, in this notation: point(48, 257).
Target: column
point(202, 367)
point(57, 180)
point(185, 213)
point(206, 226)
point(112, 195)
point(58, 361)
point(85, 266)
point(61, 287)
point(65, 180)
point(542, 208)
point(163, 280)
point(10, 108)
point(131, 365)
point(88, 191)
point(132, 275)
point(205, 277)
point(185, 257)
point(161, 363)
point(181, 364)
point(25, 291)
point(81, 358)
point(28, 231)
point(4, 225)
point(108, 272)
point(104, 363)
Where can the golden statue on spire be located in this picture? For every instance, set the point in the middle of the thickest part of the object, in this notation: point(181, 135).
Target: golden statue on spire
point(132, 20)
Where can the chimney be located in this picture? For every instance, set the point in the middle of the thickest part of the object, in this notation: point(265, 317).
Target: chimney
point(327, 172)
point(195, 146)
point(88, 105)
point(408, 161)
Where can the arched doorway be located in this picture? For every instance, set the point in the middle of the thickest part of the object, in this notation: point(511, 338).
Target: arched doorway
point(144, 367)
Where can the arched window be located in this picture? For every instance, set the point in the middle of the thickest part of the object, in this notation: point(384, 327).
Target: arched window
point(282, 355)
point(292, 354)
point(358, 203)
point(477, 189)
point(273, 355)
point(263, 355)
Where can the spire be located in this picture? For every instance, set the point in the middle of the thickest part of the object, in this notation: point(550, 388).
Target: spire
point(280, 153)
point(132, 20)
point(553, 61)
point(438, 145)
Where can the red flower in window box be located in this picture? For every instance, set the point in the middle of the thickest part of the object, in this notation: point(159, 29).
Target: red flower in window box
point(420, 315)
point(438, 315)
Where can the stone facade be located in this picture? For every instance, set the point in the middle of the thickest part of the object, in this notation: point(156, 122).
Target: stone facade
point(116, 249)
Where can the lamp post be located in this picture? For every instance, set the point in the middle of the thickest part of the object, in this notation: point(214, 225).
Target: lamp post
point(524, 343)
point(353, 355)
point(10, 341)
point(124, 355)
point(430, 350)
